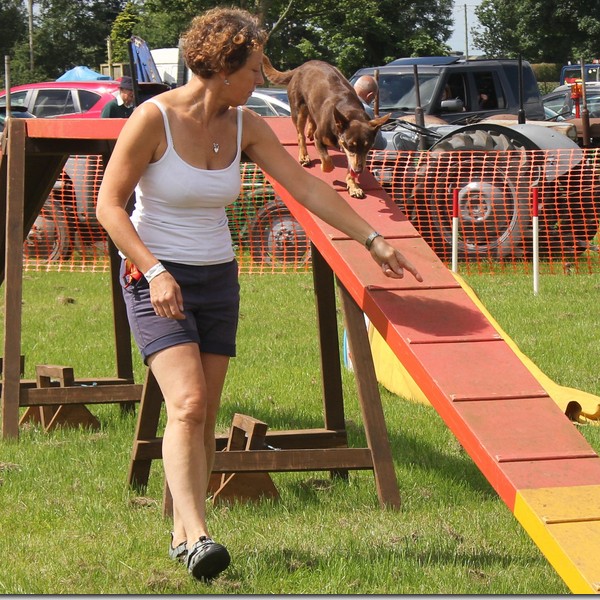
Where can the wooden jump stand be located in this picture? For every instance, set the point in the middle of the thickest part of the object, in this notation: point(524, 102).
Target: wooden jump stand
point(322, 449)
point(33, 154)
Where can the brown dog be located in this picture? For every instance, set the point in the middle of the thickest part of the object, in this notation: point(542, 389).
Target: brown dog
point(325, 108)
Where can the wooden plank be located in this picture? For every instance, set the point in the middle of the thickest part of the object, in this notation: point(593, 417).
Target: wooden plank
point(331, 371)
point(13, 270)
point(370, 403)
point(150, 447)
point(565, 522)
point(59, 130)
point(146, 429)
point(258, 461)
point(310, 459)
point(104, 394)
point(122, 332)
point(91, 381)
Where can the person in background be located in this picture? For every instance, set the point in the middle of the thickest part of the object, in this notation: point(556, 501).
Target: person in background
point(366, 89)
point(181, 153)
point(122, 105)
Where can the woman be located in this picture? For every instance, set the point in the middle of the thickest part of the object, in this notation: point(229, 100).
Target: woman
point(181, 153)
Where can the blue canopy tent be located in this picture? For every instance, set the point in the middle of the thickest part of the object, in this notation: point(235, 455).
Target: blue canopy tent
point(82, 74)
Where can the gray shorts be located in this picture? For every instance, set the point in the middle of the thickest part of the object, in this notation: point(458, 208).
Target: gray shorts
point(211, 299)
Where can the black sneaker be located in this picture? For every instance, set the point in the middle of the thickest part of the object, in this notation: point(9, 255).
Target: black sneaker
point(207, 559)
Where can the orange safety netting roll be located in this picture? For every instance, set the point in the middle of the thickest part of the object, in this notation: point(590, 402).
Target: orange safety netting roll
point(494, 192)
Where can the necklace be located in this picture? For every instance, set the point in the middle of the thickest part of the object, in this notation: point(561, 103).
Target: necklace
point(215, 145)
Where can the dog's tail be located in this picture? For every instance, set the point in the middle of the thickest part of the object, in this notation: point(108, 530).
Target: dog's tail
point(275, 76)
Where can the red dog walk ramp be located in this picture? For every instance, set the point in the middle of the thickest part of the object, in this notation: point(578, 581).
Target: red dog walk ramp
point(533, 456)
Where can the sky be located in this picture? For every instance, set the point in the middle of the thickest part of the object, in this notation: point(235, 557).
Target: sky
point(457, 40)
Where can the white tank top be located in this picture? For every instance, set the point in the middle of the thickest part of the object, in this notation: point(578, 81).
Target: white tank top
point(179, 210)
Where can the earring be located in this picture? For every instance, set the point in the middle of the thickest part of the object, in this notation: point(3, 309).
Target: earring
point(226, 82)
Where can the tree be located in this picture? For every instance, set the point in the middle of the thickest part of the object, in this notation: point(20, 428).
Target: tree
point(71, 33)
point(13, 24)
point(539, 30)
point(164, 21)
point(355, 33)
point(13, 29)
point(348, 33)
point(123, 28)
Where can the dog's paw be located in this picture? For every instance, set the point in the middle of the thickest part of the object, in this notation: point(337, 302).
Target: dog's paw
point(304, 161)
point(327, 166)
point(356, 192)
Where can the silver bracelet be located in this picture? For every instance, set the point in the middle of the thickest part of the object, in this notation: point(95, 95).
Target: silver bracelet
point(371, 238)
point(153, 271)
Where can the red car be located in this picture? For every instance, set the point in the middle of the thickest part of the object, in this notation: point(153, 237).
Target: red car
point(71, 99)
point(68, 219)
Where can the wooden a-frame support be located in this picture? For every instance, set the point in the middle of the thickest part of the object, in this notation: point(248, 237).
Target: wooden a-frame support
point(34, 153)
point(300, 450)
point(29, 166)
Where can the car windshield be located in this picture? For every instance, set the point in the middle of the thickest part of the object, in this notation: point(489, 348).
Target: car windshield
point(563, 104)
point(552, 115)
point(398, 91)
point(16, 99)
point(18, 114)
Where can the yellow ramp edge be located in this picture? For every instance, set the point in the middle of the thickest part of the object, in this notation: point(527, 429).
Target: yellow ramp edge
point(565, 525)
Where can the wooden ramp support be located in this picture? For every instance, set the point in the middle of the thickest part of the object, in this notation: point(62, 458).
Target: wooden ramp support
point(33, 154)
point(320, 449)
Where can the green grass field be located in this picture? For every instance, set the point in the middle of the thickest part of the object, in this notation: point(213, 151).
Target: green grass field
point(70, 525)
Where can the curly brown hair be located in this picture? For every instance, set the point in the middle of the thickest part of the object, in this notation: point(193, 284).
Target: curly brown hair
point(221, 39)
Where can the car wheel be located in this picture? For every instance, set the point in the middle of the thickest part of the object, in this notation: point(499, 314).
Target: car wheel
point(52, 237)
point(276, 237)
point(494, 211)
point(569, 221)
point(49, 238)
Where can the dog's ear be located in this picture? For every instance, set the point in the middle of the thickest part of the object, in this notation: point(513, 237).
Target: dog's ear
point(341, 122)
point(377, 123)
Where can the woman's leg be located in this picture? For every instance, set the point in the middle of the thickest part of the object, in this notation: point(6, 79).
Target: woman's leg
point(191, 385)
point(215, 369)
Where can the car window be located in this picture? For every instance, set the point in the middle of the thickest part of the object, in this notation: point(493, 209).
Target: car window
point(281, 95)
point(573, 73)
point(87, 99)
point(397, 91)
point(261, 107)
point(16, 99)
point(556, 103)
point(456, 88)
point(280, 111)
point(489, 91)
point(593, 105)
point(49, 103)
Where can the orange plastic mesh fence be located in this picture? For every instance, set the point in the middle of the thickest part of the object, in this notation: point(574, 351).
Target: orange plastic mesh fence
point(66, 236)
point(490, 191)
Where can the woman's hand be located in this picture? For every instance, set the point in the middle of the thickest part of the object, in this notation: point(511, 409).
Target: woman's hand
point(166, 298)
point(392, 261)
